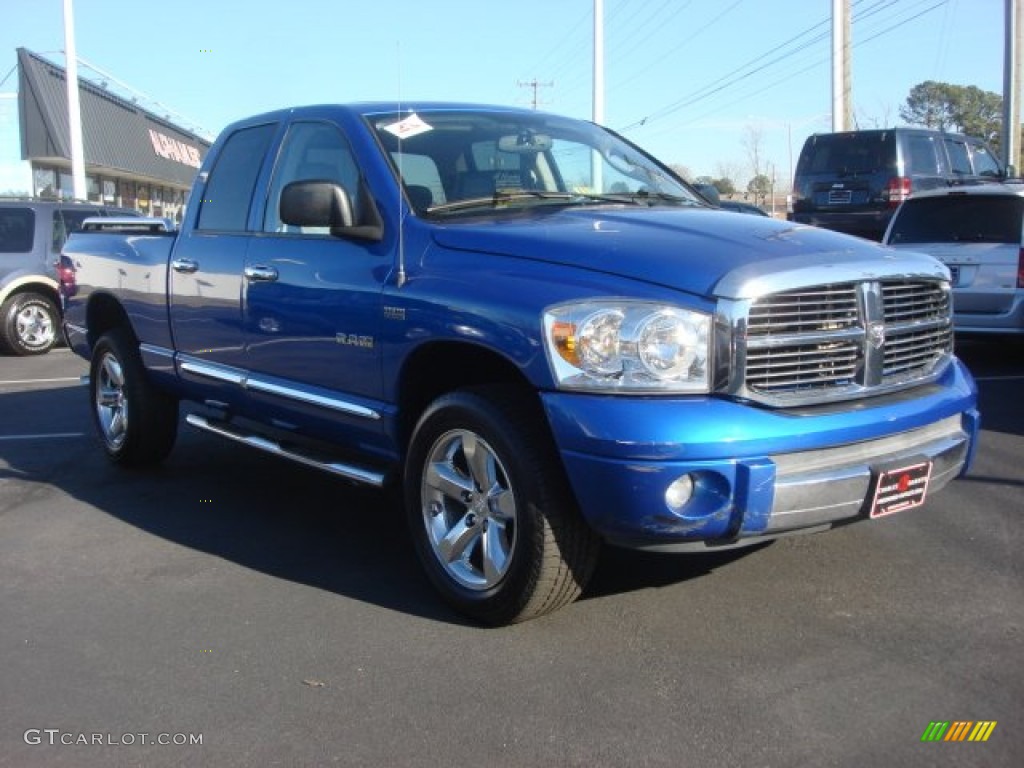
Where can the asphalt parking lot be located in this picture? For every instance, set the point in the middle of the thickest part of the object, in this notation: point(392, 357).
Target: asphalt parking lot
point(249, 612)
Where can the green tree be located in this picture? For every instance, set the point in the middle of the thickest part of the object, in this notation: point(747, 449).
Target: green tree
point(760, 187)
point(947, 107)
point(725, 186)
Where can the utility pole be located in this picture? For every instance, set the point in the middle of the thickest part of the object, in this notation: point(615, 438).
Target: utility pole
point(74, 106)
point(535, 85)
point(842, 112)
point(596, 160)
point(1011, 85)
point(598, 114)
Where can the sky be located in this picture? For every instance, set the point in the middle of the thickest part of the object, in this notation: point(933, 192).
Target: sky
point(695, 82)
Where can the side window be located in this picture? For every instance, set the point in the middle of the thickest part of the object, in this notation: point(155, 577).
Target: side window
point(65, 222)
point(959, 162)
point(228, 193)
point(17, 230)
point(984, 163)
point(311, 152)
point(921, 151)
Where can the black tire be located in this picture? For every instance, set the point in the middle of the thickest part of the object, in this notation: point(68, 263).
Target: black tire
point(29, 324)
point(542, 553)
point(137, 423)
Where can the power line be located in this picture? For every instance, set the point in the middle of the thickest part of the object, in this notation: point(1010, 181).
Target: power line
point(816, 63)
point(744, 71)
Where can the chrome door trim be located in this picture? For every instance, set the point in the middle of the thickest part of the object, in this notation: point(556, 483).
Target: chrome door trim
point(256, 384)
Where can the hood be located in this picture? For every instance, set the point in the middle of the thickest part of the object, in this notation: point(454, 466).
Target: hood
point(700, 251)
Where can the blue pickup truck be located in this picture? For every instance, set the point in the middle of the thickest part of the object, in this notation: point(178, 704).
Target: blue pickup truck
point(530, 328)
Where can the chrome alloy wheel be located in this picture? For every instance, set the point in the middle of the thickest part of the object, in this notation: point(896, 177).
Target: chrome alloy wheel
point(111, 403)
point(469, 510)
point(34, 326)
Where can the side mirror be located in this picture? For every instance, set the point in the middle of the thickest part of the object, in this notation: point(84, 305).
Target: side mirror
point(326, 204)
point(316, 204)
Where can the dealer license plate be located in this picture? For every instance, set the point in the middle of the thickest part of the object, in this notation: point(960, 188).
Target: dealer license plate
point(899, 489)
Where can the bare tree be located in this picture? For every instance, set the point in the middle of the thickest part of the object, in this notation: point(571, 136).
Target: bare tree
point(753, 142)
point(682, 170)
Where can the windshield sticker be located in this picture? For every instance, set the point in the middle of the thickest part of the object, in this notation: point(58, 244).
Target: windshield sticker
point(409, 127)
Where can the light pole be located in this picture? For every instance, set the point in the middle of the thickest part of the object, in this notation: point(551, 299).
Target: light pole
point(74, 106)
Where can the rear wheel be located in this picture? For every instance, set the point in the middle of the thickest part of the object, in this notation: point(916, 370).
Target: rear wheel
point(494, 523)
point(29, 324)
point(137, 423)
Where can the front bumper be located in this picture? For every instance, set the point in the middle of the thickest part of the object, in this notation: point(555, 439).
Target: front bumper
point(757, 473)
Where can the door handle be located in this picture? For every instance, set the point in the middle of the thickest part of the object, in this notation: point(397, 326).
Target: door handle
point(261, 274)
point(185, 266)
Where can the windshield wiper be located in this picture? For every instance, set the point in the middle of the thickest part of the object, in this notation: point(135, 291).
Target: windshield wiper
point(642, 197)
point(501, 197)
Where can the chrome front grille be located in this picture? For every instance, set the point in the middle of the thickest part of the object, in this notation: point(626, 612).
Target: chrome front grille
point(844, 340)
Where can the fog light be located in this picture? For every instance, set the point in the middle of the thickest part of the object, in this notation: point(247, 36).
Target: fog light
point(679, 493)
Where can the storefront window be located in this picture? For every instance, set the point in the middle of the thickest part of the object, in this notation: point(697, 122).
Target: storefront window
point(44, 181)
point(127, 194)
point(92, 185)
point(109, 191)
point(65, 185)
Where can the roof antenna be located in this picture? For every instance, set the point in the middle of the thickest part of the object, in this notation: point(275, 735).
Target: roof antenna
point(400, 277)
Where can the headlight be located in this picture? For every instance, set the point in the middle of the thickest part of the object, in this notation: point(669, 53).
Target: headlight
point(628, 346)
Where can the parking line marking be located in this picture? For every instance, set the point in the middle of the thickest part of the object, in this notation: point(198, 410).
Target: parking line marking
point(39, 381)
point(52, 435)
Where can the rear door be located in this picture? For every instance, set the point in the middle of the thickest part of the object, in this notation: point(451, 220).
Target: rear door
point(206, 266)
point(978, 236)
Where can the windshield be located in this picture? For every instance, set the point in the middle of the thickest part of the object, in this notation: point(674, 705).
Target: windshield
point(453, 161)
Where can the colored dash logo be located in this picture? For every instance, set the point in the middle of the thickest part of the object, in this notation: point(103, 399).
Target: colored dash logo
point(958, 730)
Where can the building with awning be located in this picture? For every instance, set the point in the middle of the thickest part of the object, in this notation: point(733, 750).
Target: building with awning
point(134, 158)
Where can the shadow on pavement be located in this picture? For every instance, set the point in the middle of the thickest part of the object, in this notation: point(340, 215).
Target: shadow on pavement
point(267, 514)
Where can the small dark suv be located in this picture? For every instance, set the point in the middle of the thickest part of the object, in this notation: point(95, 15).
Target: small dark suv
point(853, 182)
point(32, 232)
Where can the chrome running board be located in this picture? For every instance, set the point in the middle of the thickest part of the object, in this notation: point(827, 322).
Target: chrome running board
point(253, 440)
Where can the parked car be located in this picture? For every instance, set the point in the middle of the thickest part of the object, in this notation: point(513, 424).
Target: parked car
point(32, 232)
point(853, 181)
point(978, 232)
point(711, 194)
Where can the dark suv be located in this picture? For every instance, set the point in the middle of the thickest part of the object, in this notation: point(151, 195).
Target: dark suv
point(854, 181)
point(32, 232)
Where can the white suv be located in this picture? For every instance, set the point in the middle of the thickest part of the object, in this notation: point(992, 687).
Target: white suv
point(978, 232)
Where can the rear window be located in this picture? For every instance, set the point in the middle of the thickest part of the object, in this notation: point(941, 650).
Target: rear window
point(955, 219)
point(848, 154)
point(17, 227)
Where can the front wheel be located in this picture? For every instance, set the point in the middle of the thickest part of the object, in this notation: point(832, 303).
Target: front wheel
point(29, 324)
point(137, 422)
point(491, 514)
